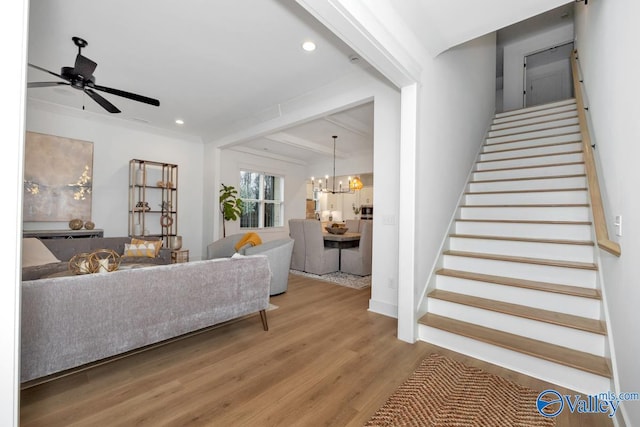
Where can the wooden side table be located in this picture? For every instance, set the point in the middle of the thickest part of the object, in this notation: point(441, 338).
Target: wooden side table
point(178, 256)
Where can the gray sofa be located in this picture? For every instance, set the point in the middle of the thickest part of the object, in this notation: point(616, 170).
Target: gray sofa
point(278, 252)
point(65, 249)
point(71, 321)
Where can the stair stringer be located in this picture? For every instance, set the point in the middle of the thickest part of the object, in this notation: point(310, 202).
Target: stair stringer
point(430, 284)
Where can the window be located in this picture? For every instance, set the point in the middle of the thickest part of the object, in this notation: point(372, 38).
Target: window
point(262, 198)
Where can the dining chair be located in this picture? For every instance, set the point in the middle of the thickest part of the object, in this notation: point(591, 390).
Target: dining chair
point(358, 260)
point(296, 232)
point(318, 259)
point(353, 225)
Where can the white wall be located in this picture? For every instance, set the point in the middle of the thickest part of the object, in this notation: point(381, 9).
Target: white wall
point(514, 53)
point(295, 187)
point(115, 142)
point(610, 65)
point(13, 40)
point(456, 107)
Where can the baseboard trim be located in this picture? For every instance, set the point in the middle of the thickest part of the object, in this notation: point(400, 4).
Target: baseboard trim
point(384, 308)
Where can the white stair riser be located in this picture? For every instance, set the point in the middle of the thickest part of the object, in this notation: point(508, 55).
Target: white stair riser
point(540, 118)
point(527, 213)
point(554, 373)
point(533, 134)
point(533, 142)
point(569, 304)
point(534, 127)
point(530, 172)
point(529, 184)
point(535, 114)
point(530, 161)
point(533, 151)
point(538, 109)
point(541, 231)
point(540, 273)
point(546, 197)
point(542, 331)
point(578, 253)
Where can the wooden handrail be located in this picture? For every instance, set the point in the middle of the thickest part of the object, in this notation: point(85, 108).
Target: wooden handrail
point(600, 223)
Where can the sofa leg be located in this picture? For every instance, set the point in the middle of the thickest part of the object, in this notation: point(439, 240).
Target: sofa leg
point(263, 317)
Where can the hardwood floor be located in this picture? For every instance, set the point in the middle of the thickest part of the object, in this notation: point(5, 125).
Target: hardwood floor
point(325, 361)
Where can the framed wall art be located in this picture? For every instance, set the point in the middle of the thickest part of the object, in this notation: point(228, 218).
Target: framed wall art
point(58, 178)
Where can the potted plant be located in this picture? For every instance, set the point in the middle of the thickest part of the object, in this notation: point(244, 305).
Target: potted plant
point(230, 205)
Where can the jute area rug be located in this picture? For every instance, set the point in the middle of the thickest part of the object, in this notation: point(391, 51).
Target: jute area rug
point(444, 392)
point(339, 278)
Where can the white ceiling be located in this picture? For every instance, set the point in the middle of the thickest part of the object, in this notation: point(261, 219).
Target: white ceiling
point(212, 63)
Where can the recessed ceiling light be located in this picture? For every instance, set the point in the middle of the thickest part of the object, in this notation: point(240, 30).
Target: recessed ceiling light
point(309, 46)
point(179, 121)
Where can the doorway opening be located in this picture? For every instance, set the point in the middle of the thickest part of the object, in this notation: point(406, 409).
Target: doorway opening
point(547, 75)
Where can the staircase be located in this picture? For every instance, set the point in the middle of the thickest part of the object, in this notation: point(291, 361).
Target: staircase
point(519, 285)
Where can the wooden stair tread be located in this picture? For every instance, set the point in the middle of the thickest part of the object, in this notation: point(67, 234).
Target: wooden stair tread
point(533, 156)
point(541, 205)
point(555, 144)
point(533, 138)
point(540, 349)
point(536, 108)
point(528, 178)
point(525, 260)
point(548, 165)
point(535, 190)
point(524, 239)
point(541, 315)
point(536, 116)
point(534, 130)
point(543, 119)
point(577, 291)
point(524, 221)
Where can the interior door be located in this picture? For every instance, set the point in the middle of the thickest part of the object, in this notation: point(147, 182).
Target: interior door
point(547, 76)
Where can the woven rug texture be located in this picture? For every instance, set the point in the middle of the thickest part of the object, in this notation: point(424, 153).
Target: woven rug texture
point(339, 278)
point(444, 392)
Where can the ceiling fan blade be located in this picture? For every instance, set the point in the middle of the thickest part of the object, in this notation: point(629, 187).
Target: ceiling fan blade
point(46, 84)
point(103, 102)
point(124, 94)
point(46, 71)
point(84, 66)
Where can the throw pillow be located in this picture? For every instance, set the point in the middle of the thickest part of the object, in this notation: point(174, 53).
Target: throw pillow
point(141, 250)
point(157, 244)
point(34, 252)
point(248, 239)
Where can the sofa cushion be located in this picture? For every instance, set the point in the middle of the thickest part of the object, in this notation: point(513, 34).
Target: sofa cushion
point(35, 253)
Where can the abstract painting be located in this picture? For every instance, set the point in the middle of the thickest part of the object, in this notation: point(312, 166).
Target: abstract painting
point(58, 175)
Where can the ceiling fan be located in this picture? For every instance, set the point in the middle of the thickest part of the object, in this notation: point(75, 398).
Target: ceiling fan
point(80, 77)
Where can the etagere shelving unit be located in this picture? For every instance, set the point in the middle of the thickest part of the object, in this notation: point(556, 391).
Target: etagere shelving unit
point(153, 200)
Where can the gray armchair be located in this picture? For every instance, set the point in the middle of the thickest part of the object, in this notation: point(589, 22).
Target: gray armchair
point(318, 259)
point(358, 260)
point(278, 252)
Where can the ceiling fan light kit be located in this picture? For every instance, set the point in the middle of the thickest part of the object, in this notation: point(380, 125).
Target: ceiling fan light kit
point(81, 77)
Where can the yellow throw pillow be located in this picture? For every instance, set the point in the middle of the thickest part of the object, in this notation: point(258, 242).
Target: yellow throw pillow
point(145, 248)
point(248, 239)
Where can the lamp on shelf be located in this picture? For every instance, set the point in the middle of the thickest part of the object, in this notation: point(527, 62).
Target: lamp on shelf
point(353, 184)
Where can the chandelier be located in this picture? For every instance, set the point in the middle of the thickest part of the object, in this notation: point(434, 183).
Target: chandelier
point(353, 185)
